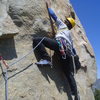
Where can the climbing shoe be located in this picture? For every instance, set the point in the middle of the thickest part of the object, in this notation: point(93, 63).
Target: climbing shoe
point(43, 62)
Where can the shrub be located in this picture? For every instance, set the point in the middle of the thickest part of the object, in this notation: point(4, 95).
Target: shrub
point(97, 94)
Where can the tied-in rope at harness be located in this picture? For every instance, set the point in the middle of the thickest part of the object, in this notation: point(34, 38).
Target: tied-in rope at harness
point(5, 74)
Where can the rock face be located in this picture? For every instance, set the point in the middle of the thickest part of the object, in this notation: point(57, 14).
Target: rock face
point(27, 81)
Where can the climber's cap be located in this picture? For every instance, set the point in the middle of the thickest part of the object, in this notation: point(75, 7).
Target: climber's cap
point(71, 21)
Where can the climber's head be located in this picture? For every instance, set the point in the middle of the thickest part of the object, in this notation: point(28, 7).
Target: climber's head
point(70, 22)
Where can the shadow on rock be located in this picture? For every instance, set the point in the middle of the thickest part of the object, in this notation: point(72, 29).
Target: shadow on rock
point(55, 73)
point(7, 49)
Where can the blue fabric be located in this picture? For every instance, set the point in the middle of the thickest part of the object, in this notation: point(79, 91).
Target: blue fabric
point(52, 14)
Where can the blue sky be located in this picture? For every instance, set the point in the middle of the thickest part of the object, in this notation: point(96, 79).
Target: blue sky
point(88, 12)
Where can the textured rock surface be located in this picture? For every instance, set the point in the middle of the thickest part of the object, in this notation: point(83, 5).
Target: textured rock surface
point(7, 27)
point(34, 83)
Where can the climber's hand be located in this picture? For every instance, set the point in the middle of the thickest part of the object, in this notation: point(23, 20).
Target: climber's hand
point(48, 3)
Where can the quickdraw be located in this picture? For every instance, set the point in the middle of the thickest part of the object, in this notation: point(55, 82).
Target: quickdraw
point(64, 47)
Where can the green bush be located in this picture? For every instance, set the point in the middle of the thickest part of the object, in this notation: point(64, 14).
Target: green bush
point(97, 94)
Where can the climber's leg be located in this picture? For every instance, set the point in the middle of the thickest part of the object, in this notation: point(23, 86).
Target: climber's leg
point(72, 83)
point(47, 42)
point(68, 71)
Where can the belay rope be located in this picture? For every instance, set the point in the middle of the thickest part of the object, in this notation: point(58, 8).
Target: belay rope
point(74, 67)
point(5, 73)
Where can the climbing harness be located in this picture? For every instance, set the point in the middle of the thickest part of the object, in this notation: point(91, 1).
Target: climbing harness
point(64, 47)
point(61, 49)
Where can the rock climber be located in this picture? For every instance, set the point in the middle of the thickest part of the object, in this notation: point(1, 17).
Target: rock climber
point(62, 44)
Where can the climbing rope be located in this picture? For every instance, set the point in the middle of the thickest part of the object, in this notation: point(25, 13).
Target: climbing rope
point(74, 66)
point(73, 60)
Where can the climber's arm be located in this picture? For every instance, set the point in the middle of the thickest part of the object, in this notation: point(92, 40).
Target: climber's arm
point(52, 14)
point(59, 23)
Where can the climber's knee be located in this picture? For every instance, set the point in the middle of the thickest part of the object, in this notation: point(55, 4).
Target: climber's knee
point(36, 40)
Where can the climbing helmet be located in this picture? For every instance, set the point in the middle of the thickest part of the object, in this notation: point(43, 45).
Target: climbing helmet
point(72, 21)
